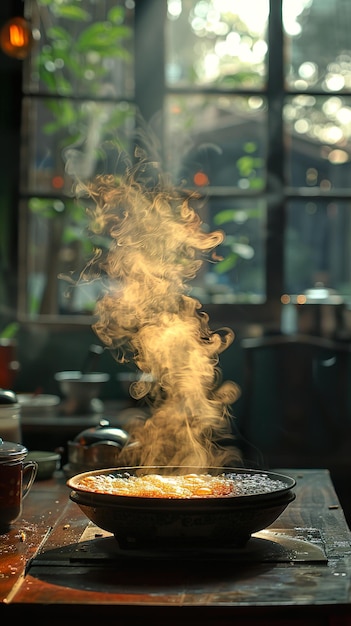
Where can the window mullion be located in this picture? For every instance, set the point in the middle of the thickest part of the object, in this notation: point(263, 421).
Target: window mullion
point(275, 156)
point(149, 58)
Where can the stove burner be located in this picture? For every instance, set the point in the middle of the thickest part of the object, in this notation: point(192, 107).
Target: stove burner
point(267, 546)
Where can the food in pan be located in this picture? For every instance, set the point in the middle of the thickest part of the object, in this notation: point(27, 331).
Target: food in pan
point(179, 486)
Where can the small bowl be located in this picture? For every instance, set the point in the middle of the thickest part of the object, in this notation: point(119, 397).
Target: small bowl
point(48, 462)
point(35, 405)
point(81, 391)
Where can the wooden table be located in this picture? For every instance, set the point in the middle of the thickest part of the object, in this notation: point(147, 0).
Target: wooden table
point(55, 566)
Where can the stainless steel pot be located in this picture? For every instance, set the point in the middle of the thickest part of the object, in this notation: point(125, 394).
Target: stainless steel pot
point(96, 448)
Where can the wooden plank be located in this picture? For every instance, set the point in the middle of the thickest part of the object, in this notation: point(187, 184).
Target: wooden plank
point(41, 509)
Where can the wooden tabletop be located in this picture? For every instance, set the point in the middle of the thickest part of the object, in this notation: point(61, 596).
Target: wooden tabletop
point(55, 565)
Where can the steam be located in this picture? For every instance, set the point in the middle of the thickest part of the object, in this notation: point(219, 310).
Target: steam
point(157, 246)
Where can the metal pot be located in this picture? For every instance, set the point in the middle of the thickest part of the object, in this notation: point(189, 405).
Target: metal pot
point(96, 448)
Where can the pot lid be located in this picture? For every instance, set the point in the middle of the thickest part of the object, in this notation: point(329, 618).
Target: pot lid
point(101, 434)
point(10, 451)
point(8, 397)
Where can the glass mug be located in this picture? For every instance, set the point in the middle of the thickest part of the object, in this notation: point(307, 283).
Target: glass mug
point(16, 478)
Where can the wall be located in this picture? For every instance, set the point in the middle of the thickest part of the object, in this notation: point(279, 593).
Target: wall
point(10, 93)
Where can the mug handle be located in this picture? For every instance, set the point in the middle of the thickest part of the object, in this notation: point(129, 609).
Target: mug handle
point(30, 469)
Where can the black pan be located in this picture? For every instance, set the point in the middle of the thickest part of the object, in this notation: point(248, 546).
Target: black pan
point(211, 522)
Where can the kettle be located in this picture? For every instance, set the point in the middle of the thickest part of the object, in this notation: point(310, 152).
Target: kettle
point(97, 447)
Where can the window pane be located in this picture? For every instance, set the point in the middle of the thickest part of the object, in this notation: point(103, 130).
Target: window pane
point(56, 247)
point(317, 44)
point(317, 249)
point(83, 49)
point(55, 243)
point(217, 42)
point(53, 126)
point(240, 276)
point(318, 139)
point(217, 141)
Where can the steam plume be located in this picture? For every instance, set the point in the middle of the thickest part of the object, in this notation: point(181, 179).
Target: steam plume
point(146, 315)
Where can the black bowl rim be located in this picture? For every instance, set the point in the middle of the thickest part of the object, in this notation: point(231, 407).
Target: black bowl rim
point(96, 498)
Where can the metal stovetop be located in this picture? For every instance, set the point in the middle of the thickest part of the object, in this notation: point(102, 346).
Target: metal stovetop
point(267, 546)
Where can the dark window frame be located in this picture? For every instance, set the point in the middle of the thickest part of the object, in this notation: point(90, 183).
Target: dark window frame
point(150, 91)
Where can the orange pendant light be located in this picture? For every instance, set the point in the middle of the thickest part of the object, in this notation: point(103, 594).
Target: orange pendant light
point(16, 38)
